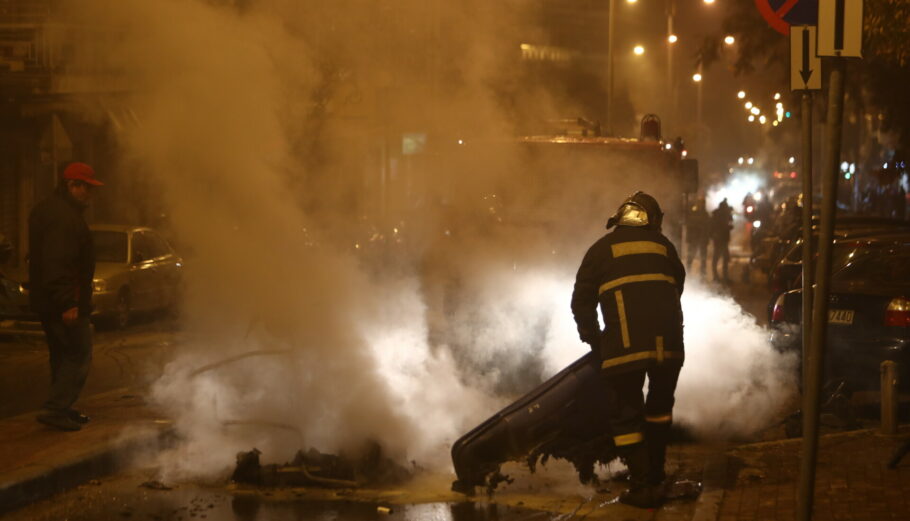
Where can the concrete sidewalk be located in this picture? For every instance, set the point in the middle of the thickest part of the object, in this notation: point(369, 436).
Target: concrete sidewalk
point(852, 479)
point(37, 461)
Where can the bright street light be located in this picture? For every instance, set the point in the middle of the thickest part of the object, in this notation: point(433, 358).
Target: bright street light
point(709, 2)
point(755, 110)
point(631, 1)
point(696, 77)
point(748, 105)
point(672, 38)
point(741, 94)
point(762, 120)
point(777, 95)
point(638, 50)
point(751, 119)
point(729, 40)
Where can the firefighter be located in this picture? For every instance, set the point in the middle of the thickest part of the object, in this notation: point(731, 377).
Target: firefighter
point(634, 273)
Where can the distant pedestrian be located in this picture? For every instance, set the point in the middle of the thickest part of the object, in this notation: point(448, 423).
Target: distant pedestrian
point(61, 268)
point(697, 235)
point(721, 224)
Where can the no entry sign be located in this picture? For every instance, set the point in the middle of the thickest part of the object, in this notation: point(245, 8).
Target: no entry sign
point(781, 14)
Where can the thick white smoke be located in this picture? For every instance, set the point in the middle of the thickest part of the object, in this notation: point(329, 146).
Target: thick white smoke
point(354, 347)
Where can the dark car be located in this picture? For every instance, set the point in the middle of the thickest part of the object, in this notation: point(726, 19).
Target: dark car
point(868, 316)
point(13, 296)
point(786, 274)
point(787, 231)
point(564, 417)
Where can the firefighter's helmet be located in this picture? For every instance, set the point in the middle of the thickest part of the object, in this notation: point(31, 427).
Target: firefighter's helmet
point(639, 209)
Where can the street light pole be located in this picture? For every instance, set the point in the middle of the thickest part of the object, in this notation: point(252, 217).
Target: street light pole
point(610, 26)
point(671, 85)
point(698, 107)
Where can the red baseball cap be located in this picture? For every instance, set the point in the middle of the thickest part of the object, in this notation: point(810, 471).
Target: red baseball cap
point(81, 172)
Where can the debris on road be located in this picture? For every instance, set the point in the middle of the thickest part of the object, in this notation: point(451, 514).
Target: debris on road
point(155, 485)
point(314, 468)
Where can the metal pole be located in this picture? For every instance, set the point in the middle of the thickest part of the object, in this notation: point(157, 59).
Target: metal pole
point(671, 12)
point(889, 399)
point(698, 109)
point(816, 356)
point(807, 226)
point(610, 69)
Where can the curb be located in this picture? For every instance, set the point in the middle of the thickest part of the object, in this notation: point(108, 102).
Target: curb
point(707, 508)
point(35, 482)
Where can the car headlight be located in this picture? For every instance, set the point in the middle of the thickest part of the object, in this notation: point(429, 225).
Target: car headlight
point(99, 285)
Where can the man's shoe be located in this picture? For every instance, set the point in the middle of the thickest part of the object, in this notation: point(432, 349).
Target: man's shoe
point(642, 497)
point(77, 416)
point(58, 420)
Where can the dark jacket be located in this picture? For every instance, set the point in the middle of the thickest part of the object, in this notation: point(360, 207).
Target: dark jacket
point(61, 257)
point(635, 274)
point(721, 223)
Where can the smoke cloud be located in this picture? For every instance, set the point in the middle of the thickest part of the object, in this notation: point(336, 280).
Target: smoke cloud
point(348, 298)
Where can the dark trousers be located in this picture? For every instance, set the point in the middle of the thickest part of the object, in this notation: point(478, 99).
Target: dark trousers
point(70, 353)
point(721, 250)
point(627, 406)
point(698, 249)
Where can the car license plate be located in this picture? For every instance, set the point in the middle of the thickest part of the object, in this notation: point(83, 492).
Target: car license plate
point(840, 316)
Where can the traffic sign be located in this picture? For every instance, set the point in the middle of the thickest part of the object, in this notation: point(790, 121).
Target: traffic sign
point(805, 65)
point(840, 28)
point(781, 14)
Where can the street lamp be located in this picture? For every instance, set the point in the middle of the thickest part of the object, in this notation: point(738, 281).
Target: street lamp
point(709, 2)
point(748, 105)
point(638, 50)
point(741, 94)
point(696, 77)
point(729, 40)
point(672, 38)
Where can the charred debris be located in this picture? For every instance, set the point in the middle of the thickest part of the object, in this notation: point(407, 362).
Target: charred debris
point(316, 469)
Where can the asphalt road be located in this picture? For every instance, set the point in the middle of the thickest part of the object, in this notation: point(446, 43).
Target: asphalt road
point(132, 357)
point(125, 496)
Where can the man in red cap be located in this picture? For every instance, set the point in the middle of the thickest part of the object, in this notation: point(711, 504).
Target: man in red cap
point(61, 268)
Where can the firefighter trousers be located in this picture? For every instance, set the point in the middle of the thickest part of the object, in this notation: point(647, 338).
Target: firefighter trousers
point(627, 406)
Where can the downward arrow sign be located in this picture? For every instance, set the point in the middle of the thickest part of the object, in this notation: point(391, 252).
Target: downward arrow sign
point(804, 70)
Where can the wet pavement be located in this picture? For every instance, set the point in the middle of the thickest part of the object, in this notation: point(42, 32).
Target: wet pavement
point(125, 498)
point(551, 493)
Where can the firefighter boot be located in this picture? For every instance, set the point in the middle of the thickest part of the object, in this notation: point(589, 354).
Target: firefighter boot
point(641, 493)
point(657, 436)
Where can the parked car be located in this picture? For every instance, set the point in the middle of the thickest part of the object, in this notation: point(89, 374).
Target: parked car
point(136, 270)
point(787, 230)
point(13, 296)
point(868, 316)
point(13, 300)
point(786, 274)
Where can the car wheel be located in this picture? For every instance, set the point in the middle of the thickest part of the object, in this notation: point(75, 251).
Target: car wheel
point(122, 312)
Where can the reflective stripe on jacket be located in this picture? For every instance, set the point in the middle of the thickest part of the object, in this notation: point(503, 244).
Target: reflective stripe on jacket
point(637, 278)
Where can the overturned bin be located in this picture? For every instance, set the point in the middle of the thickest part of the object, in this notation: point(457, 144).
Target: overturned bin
point(564, 417)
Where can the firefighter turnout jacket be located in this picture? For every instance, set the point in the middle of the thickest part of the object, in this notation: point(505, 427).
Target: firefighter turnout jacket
point(635, 274)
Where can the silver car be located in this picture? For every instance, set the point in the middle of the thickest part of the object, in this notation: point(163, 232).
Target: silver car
point(135, 270)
